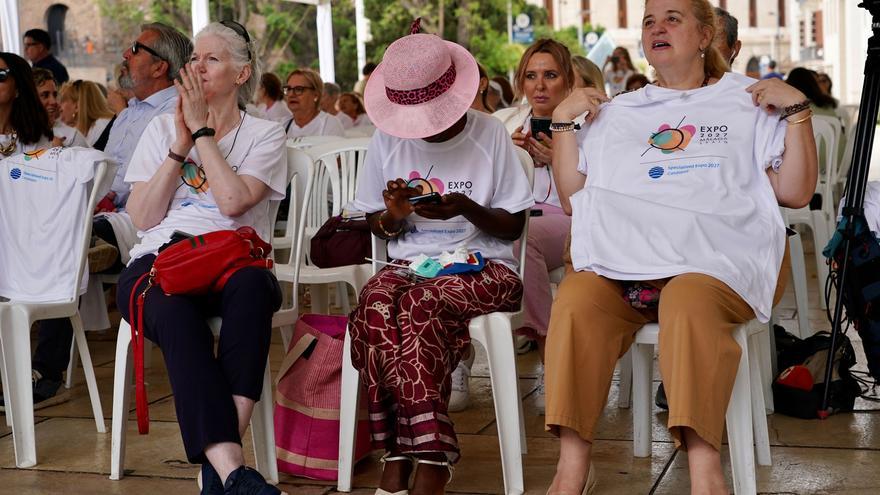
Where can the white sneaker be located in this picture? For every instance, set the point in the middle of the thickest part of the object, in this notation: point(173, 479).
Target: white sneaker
point(459, 399)
point(539, 393)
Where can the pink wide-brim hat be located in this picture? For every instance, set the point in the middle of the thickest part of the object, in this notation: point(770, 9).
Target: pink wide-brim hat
point(423, 86)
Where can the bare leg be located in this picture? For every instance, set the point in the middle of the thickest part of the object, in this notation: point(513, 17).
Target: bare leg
point(225, 457)
point(574, 463)
point(395, 474)
point(430, 480)
point(245, 408)
point(704, 464)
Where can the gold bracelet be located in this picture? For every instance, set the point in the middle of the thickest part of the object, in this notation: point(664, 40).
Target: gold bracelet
point(382, 227)
point(801, 121)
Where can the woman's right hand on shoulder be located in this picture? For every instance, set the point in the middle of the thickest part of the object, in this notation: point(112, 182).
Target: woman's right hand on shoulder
point(520, 138)
point(396, 196)
point(579, 101)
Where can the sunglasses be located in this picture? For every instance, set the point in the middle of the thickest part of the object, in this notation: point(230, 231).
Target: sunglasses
point(138, 46)
point(297, 90)
point(241, 31)
point(5, 74)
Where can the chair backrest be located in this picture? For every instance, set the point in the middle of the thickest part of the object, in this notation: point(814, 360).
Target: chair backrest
point(105, 171)
point(825, 132)
point(380, 248)
point(349, 156)
point(301, 185)
point(297, 169)
point(306, 142)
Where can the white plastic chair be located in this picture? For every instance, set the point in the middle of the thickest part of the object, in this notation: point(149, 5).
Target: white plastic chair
point(306, 142)
point(494, 332)
point(336, 166)
point(746, 414)
point(16, 319)
point(262, 426)
point(820, 222)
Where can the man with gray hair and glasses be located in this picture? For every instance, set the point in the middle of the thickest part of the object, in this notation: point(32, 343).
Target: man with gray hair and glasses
point(727, 36)
point(150, 65)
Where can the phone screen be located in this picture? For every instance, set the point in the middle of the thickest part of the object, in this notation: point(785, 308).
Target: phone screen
point(542, 125)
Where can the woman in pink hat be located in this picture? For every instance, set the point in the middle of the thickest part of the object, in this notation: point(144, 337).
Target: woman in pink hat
point(408, 332)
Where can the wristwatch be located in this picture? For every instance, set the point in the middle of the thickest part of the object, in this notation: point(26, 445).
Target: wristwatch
point(564, 126)
point(204, 131)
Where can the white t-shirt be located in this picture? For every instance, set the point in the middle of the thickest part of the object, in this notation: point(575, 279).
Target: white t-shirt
point(258, 151)
point(43, 143)
point(323, 124)
point(362, 120)
point(479, 162)
point(677, 184)
point(278, 112)
point(43, 194)
point(96, 131)
point(72, 137)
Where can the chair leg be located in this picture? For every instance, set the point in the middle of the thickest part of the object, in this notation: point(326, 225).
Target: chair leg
point(739, 424)
point(263, 431)
point(320, 298)
point(764, 353)
point(821, 236)
point(19, 395)
point(79, 337)
point(71, 365)
point(759, 413)
point(624, 394)
point(121, 400)
point(642, 379)
point(799, 275)
point(348, 413)
point(496, 335)
point(3, 376)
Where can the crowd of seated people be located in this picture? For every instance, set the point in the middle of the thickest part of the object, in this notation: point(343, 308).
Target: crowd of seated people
point(198, 131)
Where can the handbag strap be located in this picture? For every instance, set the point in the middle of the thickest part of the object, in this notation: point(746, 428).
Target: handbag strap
point(137, 342)
point(293, 354)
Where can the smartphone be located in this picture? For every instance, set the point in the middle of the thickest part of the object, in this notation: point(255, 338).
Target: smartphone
point(536, 213)
point(540, 124)
point(430, 198)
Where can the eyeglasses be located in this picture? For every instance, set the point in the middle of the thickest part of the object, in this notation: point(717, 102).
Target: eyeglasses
point(138, 46)
point(297, 90)
point(241, 31)
point(4, 74)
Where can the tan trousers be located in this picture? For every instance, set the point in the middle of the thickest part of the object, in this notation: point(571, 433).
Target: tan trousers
point(592, 326)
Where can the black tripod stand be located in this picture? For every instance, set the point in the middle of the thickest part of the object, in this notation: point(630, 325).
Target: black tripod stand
point(857, 179)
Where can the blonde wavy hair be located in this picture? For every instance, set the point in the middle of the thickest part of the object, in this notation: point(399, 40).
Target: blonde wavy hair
point(714, 63)
point(91, 102)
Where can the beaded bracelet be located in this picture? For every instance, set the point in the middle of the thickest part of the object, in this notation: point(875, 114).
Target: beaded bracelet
point(382, 227)
point(793, 109)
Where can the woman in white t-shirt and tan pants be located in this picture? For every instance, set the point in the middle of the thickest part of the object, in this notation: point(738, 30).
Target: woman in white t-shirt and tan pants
point(408, 333)
point(675, 219)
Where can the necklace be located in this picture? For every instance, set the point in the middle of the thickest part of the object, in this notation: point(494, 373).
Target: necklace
point(8, 148)
point(705, 82)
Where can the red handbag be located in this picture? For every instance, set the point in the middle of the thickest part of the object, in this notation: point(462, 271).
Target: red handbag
point(197, 265)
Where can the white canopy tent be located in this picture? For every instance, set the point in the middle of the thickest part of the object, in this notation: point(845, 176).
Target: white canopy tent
point(9, 26)
point(200, 18)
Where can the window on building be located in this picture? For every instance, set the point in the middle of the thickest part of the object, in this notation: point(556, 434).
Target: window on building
point(781, 10)
point(723, 4)
point(621, 13)
point(818, 35)
point(803, 33)
point(585, 7)
point(753, 13)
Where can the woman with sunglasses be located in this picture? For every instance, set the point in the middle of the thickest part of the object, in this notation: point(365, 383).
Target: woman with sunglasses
point(674, 191)
point(24, 123)
point(210, 167)
point(303, 93)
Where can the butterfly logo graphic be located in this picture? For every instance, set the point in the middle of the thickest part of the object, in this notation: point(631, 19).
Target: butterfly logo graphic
point(670, 139)
point(427, 185)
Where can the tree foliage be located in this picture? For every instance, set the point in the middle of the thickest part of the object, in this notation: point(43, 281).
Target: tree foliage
point(285, 31)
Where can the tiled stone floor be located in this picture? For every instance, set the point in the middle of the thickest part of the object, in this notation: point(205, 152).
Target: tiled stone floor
point(839, 455)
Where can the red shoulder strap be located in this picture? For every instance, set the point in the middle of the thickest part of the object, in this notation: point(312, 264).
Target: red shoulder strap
point(137, 343)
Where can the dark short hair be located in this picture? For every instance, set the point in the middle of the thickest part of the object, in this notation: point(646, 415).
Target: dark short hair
point(731, 26)
point(40, 36)
point(805, 81)
point(29, 118)
point(271, 86)
point(369, 67)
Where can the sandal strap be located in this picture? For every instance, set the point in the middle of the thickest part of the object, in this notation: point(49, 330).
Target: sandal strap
point(445, 464)
point(394, 458)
